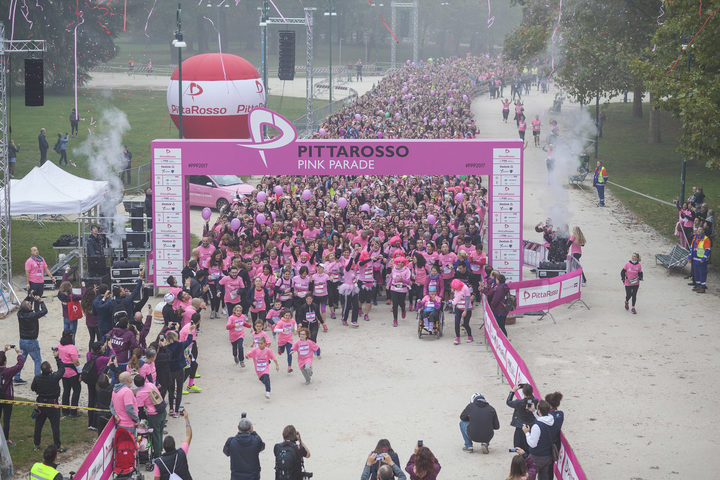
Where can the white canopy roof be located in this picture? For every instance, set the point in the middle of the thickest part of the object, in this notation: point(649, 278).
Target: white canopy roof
point(50, 190)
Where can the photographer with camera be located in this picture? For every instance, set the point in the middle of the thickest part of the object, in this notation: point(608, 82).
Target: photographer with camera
point(382, 464)
point(522, 415)
point(477, 423)
point(47, 387)
point(244, 452)
point(289, 456)
point(31, 310)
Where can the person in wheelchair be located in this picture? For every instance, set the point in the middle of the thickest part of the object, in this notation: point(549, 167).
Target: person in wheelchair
point(430, 308)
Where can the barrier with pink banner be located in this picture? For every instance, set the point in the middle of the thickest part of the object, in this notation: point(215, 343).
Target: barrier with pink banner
point(544, 293)
point(98, 464)
point(515, 371)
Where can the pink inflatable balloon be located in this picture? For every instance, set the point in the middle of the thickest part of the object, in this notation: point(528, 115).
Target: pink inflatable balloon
point(261, 196)
point(273, 215)
point(397, 114)
point(465, 98)
point(260, 218)
point(206, 213)
point(432, 92)
point(358, 117)
point(404, 90)
point(365, 207)
point(459, 197)
point(431, 219)
point(452, 99)
point(342, 202)
point(306, 194)
point(449, 109)
point(278, 190)
point(392, 99)
point(379, 134)
point(322, 132)
point(235, 224)
point(443, 122)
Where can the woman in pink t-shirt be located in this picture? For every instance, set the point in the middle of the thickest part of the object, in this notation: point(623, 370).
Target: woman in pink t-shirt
point(522, 126)
point(68, 355)
point(536, 129)
point(259, 301)
point(419, 272)
point(236, 325)
point(399, 281)
point(631, 275)
point(262, 356)
point(305, 349)
point(285, 328)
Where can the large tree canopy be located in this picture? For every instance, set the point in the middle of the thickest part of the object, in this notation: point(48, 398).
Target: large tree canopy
point(682, 72)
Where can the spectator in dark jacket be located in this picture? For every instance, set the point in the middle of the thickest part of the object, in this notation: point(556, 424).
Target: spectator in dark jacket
point(47, 387)
point(123, 340)
point(31, 310)
point(382, 463)
point(176, 363)
point(124, 300)
point(423, 465)
point(522, 414)
point(477, 423)
point(43, 145)
point(103, 307)
point(244, 452)
point(104, 398)
point(148, 207)
point(6, 388)
point(496, 297)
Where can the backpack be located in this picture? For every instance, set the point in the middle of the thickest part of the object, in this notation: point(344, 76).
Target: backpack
point(287, 462)
point(89, 373)
point(510, 302)
point(74, 311)
point(173, 475)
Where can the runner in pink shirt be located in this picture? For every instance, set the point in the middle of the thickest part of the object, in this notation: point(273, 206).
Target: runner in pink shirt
point(319, 285)
point(262, 356)
point(419, 270)
point(274, 314)
point(205, 250)
point(447, 261)
point(462, 301)
point(366, 280)
point(234, 287)
point(260, 301)
point(148, 370)
point(333, 268)
point(283, 289)
point(478, 260)
point(286, 327)
point(259, 333)
point(536, 129)
point(301, 286)
point(522, 126)
point(68, 354)
point(236, 325)
point(399, 281)
point(305, 349)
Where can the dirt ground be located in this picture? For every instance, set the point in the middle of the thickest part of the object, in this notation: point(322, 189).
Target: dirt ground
point(625, 377)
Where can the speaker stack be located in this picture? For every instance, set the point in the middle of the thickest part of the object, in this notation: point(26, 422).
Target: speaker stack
point(125, 273)
point(551, 269)
point(286, 69)
point(34, 88)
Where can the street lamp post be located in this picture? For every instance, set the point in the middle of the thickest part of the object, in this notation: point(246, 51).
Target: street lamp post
point(330, 14)
point(179, 44)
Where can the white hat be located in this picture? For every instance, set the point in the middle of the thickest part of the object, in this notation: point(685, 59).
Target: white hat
point(169, 298)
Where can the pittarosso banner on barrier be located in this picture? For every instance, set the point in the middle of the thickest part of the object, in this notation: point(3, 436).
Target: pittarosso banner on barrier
point(515, 371)
point(545, 293)
point(98, 464)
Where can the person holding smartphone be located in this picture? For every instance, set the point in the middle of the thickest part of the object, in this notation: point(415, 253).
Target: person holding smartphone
point(382, 463)
point(423, 465)
point(289, 455)
point(32, 309)
point(521, 413)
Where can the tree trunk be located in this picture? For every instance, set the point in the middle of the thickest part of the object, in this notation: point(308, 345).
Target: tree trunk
point(654, 126)
point(637, 102)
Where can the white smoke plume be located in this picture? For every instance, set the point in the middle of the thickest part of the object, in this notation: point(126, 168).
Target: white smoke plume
point(577, 131)
point(104, 151)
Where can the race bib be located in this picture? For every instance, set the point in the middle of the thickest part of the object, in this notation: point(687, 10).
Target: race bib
point(261, 366)
point(238, 326)
point(398, 285)
point(285, 296)
point(335, 277)
point(304, 349)
point(259, 303)
point(287, 329)
point(310, 316)
point(447, 268)
point(368, 276)
point(429, 308)
point(320, 290)
point(474, 267)
point(233, 295)
point(633, 281)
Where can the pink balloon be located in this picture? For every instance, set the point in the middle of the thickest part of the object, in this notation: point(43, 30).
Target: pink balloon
point(443, 122)
point(342, 202)
point(278, 190)
point(452, 99)
point(261, 196)
point(322, 132)
point(431, 219)
point(260, 218)
point(404, 90)
point(397, 114)
point(306, 194)
point(273, 215)
point(425, 119)
point(434, 120)
point(206, 213)
point(459, 197)
point(465, 98)
point(449, 109)
point(358, 117)
point(432, 92)
point(379, 134)
point(453, 85)
point(365, 207)
point(235, 224)
point(392, 99)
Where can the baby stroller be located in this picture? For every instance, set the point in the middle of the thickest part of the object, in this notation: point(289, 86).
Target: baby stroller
point(125, 465)
point(428, 326)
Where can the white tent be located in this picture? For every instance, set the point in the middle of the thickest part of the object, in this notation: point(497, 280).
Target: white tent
point(50, 190)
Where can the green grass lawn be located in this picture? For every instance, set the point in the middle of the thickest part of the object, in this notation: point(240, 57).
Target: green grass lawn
point(74, 436)
point(650, 169)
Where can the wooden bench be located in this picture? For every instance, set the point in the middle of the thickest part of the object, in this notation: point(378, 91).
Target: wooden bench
point(677, 258)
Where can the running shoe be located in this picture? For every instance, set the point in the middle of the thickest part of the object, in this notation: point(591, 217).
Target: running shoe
point(469, 340)
point(633, 310)
point(325, 329)
point(468, 449)
point(290, 369)
point(195, 388)
point(402, 314)
point(484, 448)
point(185, 392)
point(395, 324)
point(267, 395)
point(237, 360)
point(456, 341)
point(242, 364)
point(354, 324)
point(366, 317)
point(332, 315)
point(627, 306)
point(345, 323)
point(20, 381)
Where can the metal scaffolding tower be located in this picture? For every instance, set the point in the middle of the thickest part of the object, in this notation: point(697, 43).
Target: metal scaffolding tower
point(308, 22)
point(7, 48)
point(415, 29)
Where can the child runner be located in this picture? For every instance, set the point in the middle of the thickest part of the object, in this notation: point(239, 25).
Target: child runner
point(237, 322)
point(260, 300)
point(305, 349)
point(505, 109)
point(259, 333)
point(262, 356)
point(463, 308)
point(273, 315)
point(349, 289)
point(308, 316)
point(536, 129)
point(234, 286)
point(283, 288)
point(286, 327)
point(301, 286)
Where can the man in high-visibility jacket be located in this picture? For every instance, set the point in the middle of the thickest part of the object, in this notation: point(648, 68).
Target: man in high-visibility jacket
point(47, 469)
point(700, 256)
point(599, 180)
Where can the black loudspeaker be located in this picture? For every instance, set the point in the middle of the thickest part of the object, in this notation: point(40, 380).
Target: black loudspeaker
point(34, 89)
point(286, 69)
point(136, 219)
